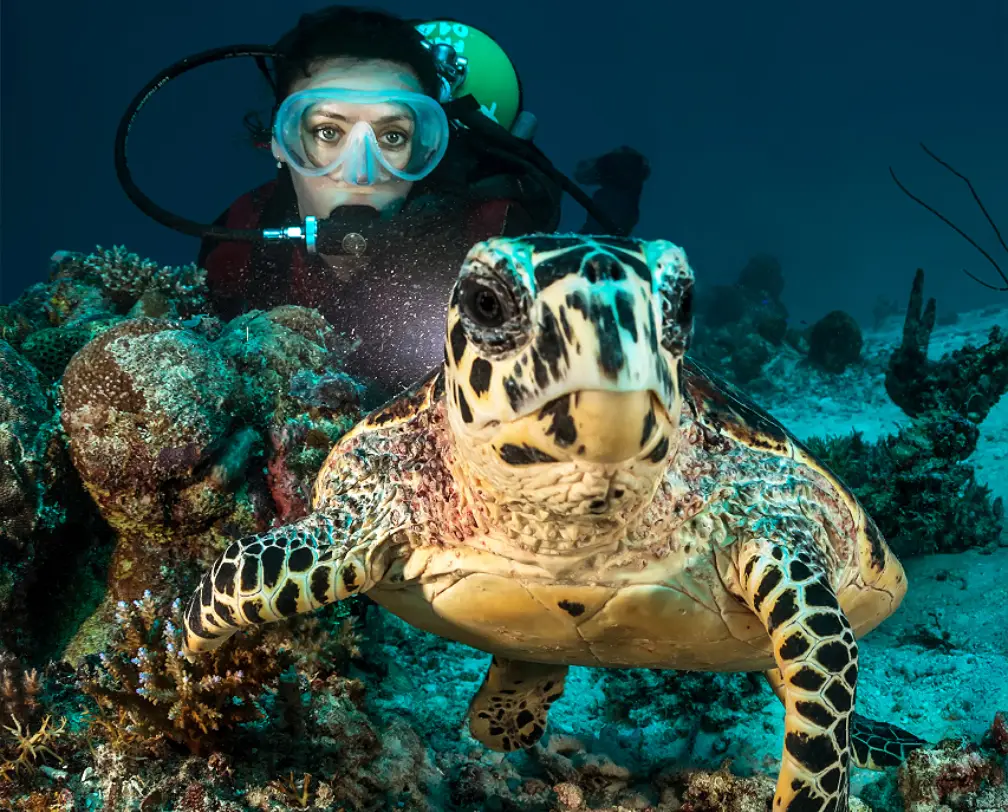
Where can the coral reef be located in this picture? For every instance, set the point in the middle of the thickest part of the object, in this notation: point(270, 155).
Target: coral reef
point(40, 496)
point(682, 697)
point(834, 342)
point(188, 432)
point(917, 485)
point(969, 381)
point(180, 431)
point(740, 327)
point(953, 776)
point(132, 284)
point(30, 737)
point(148, 422)
point(51, 348)
point(25, 436)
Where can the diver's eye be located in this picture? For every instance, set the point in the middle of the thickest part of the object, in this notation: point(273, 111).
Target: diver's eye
point(394, 138)
point(482, 303)
point(327, 134)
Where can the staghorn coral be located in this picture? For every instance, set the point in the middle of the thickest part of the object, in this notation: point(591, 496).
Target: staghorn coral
point(19, 690)
point(23, 749)
point(917, 486)
point(145, 676)
point(29, 734)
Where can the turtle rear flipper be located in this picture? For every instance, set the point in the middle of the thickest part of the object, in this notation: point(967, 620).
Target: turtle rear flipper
point(878, 745)
point(817, 654)
point(509, 711)
point(271, 576)
point(874, 745)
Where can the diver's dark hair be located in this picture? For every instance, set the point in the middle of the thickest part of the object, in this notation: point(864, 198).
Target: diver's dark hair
point(356, 33)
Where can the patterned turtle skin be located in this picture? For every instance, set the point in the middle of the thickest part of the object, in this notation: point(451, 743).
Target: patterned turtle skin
point(570, 489)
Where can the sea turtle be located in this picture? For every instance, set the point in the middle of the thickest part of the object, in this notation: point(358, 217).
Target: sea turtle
point(570, 489)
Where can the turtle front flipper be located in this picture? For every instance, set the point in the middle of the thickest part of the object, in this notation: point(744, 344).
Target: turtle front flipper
point(271, 576)
point(817, 655)
point(874, 745)
point(509, 711)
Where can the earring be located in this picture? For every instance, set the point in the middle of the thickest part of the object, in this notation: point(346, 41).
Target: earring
point(279, 164)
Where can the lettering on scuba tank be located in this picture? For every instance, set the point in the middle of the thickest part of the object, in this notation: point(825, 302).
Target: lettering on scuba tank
point(490, 112)
point(443, 32)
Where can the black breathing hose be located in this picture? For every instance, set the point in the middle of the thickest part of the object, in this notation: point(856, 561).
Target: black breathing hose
point(350, 233)
point(141, 200)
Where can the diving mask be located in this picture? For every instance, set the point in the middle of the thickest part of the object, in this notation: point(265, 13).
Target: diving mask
point(363, 137)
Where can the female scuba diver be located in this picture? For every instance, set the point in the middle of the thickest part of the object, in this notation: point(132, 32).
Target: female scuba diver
point(407, 142)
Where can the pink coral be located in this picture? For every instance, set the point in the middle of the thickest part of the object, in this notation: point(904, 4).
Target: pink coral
point(951, 775)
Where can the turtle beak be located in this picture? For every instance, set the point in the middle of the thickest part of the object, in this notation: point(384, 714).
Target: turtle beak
point(612, 425)
point(593, 426)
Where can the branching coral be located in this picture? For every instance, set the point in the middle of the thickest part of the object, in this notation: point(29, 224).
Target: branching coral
point(19, 690)
point(969, 381)
point(24, 742)
point(30, 747)
point(125, 279)
point(146, 676)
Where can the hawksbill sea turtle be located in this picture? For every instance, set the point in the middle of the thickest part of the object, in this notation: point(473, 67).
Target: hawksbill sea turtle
point(570, 489)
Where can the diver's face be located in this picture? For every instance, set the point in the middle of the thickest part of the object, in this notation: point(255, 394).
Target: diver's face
point(327, 128)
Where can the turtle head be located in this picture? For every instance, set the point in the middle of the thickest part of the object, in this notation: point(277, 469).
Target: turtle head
point(562, 364)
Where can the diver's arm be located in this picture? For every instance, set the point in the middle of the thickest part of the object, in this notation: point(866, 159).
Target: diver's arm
point(620, 176)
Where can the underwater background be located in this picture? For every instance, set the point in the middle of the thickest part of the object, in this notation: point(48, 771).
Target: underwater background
point(770, 133)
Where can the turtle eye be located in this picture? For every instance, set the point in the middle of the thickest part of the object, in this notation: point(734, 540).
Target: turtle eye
point(677, 319)
point(485, 304)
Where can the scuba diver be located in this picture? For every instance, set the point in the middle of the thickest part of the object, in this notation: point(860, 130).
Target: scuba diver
point(399, 144)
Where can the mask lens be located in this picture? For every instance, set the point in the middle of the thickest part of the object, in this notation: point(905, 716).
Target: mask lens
point(365, 136)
